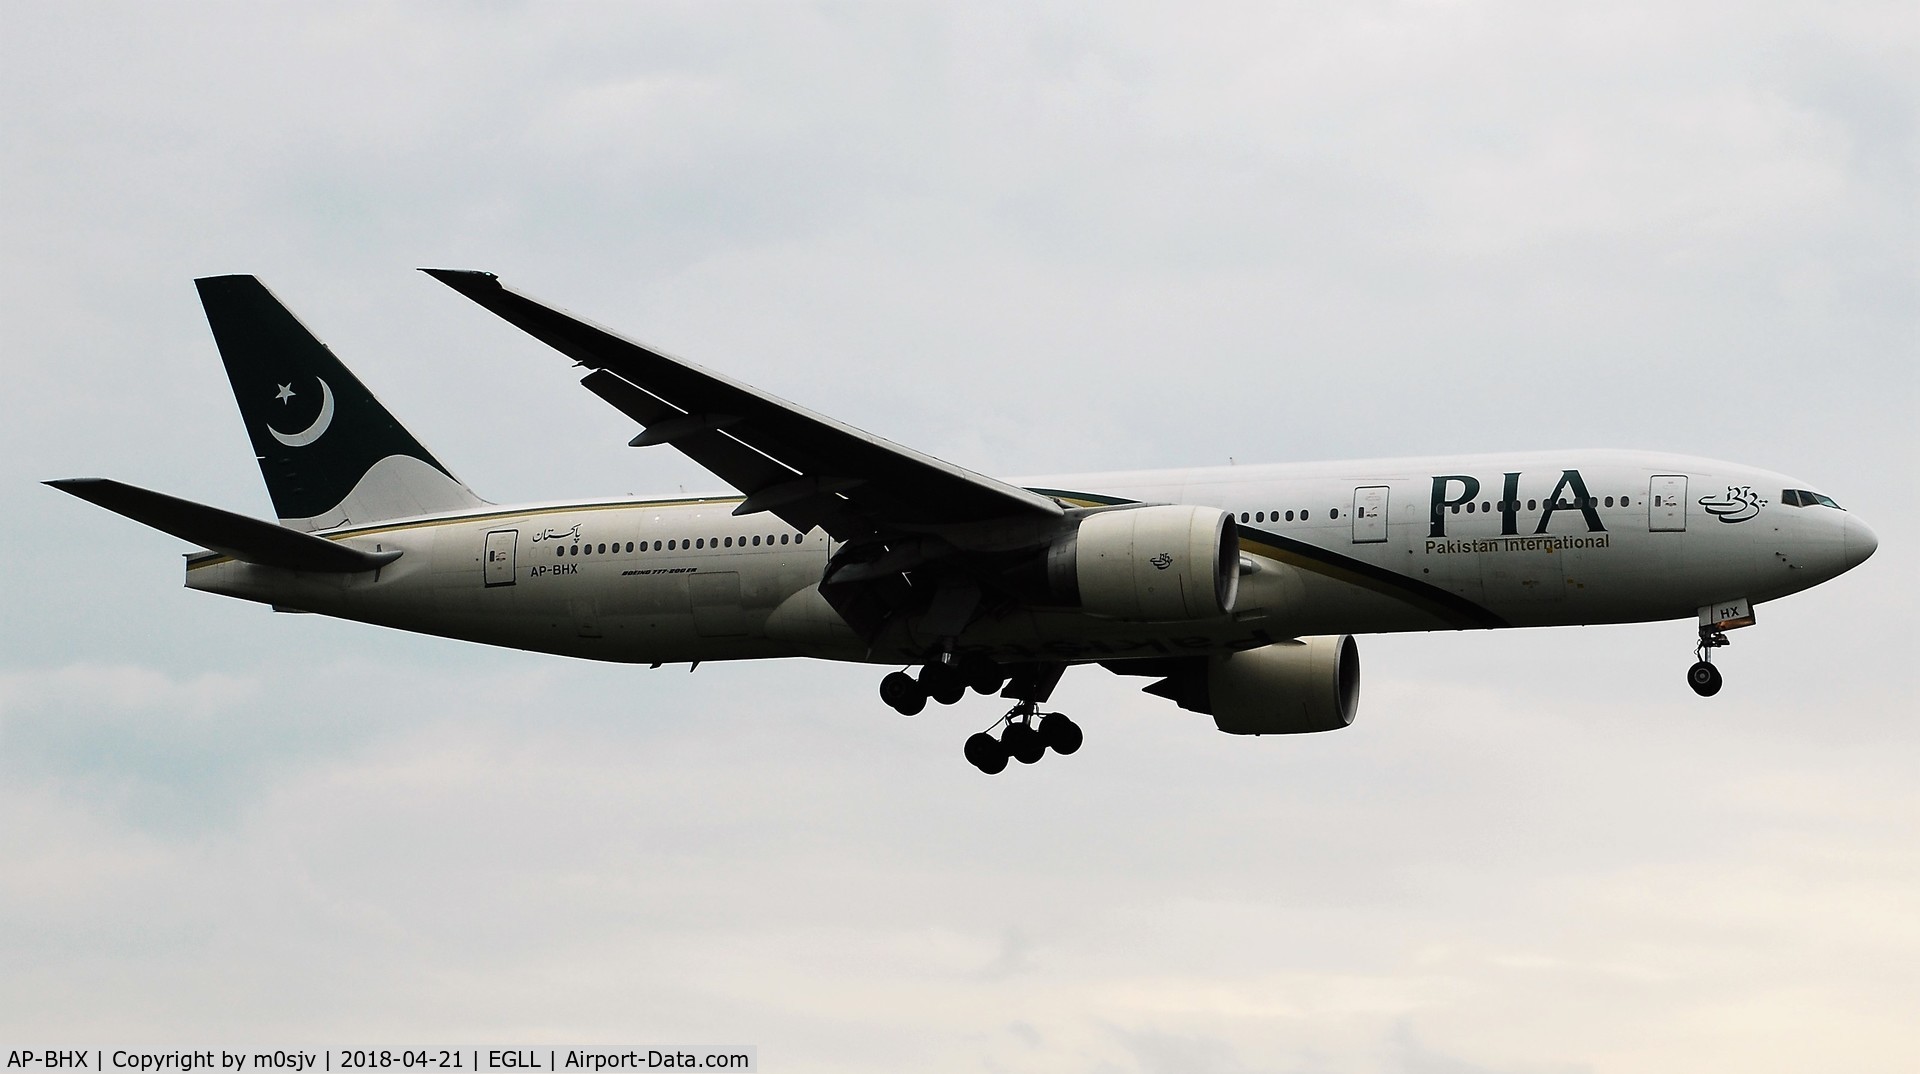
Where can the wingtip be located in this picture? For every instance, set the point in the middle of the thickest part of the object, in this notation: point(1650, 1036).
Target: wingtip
point(90, 489)
point(463, 279)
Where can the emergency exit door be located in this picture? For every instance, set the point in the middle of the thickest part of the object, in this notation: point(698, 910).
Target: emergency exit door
point(499, 557)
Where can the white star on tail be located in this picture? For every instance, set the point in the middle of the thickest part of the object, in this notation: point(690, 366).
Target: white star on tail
point(286, 393)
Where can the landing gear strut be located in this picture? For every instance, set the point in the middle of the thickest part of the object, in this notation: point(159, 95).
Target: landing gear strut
point(1703, 676)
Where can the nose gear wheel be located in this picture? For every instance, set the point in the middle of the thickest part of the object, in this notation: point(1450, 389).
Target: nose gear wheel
point(1703, 676)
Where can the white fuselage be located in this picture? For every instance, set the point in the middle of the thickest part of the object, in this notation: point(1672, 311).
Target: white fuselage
point(1342, 547)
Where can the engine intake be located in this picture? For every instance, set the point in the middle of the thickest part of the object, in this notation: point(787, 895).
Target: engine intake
point(1149, 564)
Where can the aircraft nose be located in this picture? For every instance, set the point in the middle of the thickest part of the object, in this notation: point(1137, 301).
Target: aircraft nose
point(1858, 542)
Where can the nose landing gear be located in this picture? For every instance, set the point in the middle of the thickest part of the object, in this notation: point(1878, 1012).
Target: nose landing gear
point(1703, 676)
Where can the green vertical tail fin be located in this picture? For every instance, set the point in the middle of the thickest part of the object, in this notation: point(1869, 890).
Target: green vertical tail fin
point(331, 454)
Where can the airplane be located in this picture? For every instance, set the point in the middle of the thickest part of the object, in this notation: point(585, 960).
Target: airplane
point(1237, 591)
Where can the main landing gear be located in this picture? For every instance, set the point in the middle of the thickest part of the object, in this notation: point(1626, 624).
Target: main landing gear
point(945, 679)
point(1029, 735)
point(1029, 732)
point(1703, 676)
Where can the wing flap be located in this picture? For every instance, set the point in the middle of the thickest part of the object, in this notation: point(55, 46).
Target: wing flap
point(236, 535)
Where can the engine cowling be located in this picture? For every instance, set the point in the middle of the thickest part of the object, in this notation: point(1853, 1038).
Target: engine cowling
point(1287, 688)
point(1150, 564)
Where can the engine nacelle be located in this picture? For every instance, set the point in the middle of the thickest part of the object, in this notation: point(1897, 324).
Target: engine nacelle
point(1150, 564)
point(1287, 688)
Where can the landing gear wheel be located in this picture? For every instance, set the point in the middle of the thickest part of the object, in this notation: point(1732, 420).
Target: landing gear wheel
point(943, 683)
point(986, 753)
point(903, 694)
point(985, 676)
point(1023, 743)
point(1704, 678)
point(1061, 735)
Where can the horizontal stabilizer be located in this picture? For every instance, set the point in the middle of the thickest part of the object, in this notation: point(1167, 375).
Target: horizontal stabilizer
point(239, 536)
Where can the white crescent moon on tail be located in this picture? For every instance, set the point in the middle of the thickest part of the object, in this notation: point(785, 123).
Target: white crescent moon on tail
point(312, 432)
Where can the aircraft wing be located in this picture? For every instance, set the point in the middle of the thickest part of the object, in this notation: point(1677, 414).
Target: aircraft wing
point(807, 468)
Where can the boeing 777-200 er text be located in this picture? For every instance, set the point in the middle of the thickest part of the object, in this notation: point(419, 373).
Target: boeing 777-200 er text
point(1236, 591)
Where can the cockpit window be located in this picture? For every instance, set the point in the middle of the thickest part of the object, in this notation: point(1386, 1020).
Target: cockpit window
point(1803, 498)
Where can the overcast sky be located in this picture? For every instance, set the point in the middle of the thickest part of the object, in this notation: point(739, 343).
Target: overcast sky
point(1078, 238)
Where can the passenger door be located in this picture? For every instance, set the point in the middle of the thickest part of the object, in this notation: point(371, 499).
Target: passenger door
point(1667, 504)
point(1370, 514)
point(499, 557)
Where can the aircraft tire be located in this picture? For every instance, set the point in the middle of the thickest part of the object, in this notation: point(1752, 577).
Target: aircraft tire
point(1704, 678)
point(985, 676)
point(1023, 743)
point(1062, 735)
point(943, 683)
point(986, 753)
point(903, 694)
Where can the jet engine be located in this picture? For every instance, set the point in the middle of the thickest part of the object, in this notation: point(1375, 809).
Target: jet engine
point(1149, 564)
point(1287, 688)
